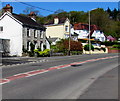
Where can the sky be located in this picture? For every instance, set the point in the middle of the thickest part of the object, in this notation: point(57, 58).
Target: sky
point(66, 6)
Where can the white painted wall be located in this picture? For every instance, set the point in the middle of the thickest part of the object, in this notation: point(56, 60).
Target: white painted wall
point(13, 31)
point(99, 35)
point(84, 34)
point(81, 33)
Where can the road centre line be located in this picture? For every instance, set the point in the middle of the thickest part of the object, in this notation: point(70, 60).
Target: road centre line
point(40, 71)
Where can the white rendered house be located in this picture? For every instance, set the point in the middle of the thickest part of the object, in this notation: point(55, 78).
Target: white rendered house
point(21, 31)
point(83, 32)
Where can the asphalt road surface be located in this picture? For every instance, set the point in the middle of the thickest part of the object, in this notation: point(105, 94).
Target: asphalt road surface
point(69, 77)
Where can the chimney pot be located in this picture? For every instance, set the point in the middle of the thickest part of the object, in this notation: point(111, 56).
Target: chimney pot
point(32, 15)
point(56, 20)
point(8, 8)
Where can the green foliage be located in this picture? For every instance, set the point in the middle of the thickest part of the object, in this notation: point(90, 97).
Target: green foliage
point(32, 47)
point(44, 47)
point(31, 54)
point(104, 49)
point(76, 52)
point(108, 43)
point(116, 46)
point(24, 50)
point(46, 52)
point(54, 48)
point(108, 21)
point(97, 49)
point(86, 47)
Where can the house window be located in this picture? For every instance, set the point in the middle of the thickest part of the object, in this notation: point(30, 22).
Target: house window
point(66, 29)
point(35, 33)
point(1, 28)
point(28, 45)
point(41, 34)
point(28, 32)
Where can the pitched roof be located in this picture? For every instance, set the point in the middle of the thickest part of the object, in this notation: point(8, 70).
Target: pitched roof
point(61, 21)
point(27, 21)
point(52, 39)
point(82, 26)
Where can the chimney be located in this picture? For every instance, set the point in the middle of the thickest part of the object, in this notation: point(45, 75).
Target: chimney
point(56, 20)
point(32, 15)
point(8, 8)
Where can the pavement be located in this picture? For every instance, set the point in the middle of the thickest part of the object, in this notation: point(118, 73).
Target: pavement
point(11, 61)
point(20, 60)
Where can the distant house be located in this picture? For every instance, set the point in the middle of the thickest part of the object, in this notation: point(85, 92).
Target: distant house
point(21, 31)
point(110, 38)
point(58, 28)
point(82, 29)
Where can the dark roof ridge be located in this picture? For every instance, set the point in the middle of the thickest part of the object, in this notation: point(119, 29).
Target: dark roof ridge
point(27, 21)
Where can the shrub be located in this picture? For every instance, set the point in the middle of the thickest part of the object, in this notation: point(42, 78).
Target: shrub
point(108, 43)
point(76, 52)
point(86, 47)
point(104, 49)
point(97, 49)
point(46, 52)
point(31, 54)
point(32, 47)
point(116, 46)
point(24, 50)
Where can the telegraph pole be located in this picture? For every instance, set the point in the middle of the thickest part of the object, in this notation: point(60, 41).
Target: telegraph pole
point(89, 35)
point(69, 36)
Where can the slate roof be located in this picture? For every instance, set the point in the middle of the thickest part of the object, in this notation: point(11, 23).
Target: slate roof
point(61, 21)
point(52, 39)
point(27, 21)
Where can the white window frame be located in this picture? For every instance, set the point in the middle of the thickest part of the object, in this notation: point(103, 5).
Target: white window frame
point(35, 33)
point(66, 28)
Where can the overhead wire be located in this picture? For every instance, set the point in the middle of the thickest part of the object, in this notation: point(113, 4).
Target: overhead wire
point(34, 6)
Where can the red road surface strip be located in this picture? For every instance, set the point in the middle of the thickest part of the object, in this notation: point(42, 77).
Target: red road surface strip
point(35, 72)
point(14, 77)
point(3, 81)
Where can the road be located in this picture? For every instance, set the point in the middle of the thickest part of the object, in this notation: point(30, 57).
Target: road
point(58, 78)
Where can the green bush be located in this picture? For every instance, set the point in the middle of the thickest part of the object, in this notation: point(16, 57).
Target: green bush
point(98, 49)
point(108, 43)
point(86, 47)
point(24, 50)
point(31, 54)
point(104, 49)
point(46, 52)
point(76, 52)
point(116, 46)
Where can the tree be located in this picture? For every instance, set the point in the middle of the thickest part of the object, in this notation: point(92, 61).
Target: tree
point(0, 12)
point(109, 12)
point(59, 11)
point(63, 45)
point(78, 16)
point(115, 14)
